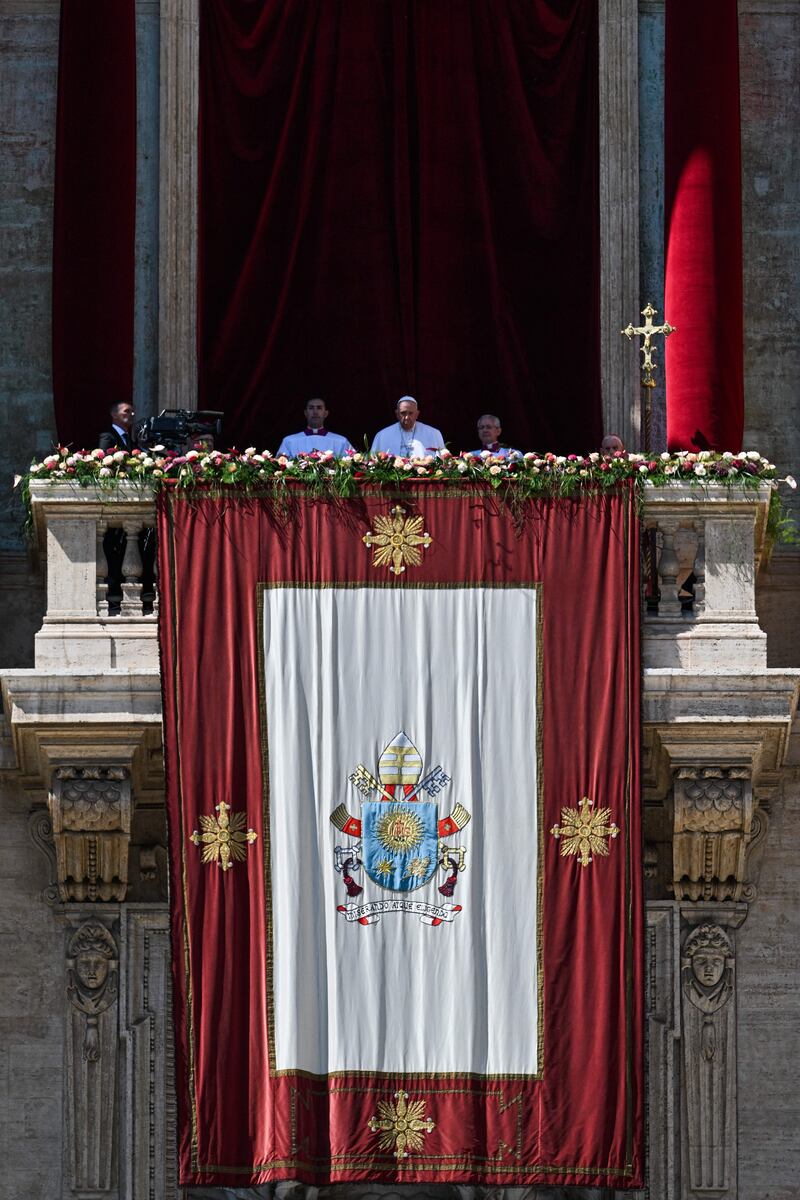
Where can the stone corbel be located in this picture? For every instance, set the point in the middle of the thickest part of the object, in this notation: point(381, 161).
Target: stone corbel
point(91, 808)
point(714, 811)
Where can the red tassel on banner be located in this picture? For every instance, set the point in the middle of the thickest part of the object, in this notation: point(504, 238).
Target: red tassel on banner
point(703, 288)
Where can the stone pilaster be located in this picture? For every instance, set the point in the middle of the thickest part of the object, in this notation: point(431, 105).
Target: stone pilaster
point(708, 1015)
point(147, 1141)
point(91, 1055)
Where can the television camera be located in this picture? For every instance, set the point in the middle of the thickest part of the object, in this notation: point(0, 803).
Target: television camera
point(180, 429)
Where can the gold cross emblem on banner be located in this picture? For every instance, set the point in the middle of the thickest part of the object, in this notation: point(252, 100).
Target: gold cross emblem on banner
point(397, 540)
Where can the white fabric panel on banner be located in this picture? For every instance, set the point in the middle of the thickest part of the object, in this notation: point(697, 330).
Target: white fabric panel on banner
point(403, 941)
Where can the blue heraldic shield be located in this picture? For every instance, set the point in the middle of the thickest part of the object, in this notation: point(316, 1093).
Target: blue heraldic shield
point(400, 843)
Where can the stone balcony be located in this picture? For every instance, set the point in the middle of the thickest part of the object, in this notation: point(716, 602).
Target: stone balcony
point(83, 738)
point(711, 708)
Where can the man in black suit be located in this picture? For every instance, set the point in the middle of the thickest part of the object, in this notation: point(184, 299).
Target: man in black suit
point(120, 435)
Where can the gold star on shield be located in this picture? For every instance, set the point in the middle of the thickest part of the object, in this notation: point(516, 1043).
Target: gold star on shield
point(585, 831)
point(401, 1125)
point(396, 540)
point(224, 838)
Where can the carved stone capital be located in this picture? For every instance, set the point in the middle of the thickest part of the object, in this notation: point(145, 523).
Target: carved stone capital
point(91, 808)
point(713, 809)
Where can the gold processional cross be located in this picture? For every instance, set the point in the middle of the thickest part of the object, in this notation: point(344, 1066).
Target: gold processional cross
point(647, 332)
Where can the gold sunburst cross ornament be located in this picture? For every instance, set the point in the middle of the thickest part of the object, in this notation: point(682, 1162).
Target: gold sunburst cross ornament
point(397, 540)
point(585, 831)
point(224, 838)
point(401, 1125)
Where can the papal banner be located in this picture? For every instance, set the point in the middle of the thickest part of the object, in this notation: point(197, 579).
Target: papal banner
point(402, 752)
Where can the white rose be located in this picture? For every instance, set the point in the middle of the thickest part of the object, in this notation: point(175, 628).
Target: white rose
point(727, 456)
point(666, 456)
point(704, 455)
point(104, 471)
point(398, 464)
point(36, 468)
point(699, 469)
point(643, 470)
point(495, 470)
point(753, 455)
point(461, 466)
point(119, 456)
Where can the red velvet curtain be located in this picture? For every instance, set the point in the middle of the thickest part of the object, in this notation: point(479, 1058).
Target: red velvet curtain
point(94, 216)
point(400, 198)
point(703, 288)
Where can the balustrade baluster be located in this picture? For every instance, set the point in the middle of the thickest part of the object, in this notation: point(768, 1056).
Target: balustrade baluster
point(102, 572)
point(700, 569)
point(132, 570)
point(668, 569)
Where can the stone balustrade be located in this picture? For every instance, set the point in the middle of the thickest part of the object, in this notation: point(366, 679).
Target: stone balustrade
point(701, 553)
point(84, 534)
point(715, 536)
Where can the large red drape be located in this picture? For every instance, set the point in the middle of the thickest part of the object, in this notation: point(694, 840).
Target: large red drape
point(94, 216)
point(703, 286)
point(579, 1121)
point(400, 198)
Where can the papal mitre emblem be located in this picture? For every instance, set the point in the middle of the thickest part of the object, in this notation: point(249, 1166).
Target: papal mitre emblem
point(400, 762)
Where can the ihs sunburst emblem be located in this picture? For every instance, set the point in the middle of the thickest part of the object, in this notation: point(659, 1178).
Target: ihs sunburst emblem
point(224, 838)
point(397, 540)
point(401, 1125)
point(584, 831)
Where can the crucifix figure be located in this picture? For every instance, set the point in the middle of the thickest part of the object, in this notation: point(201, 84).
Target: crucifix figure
point(647, 348)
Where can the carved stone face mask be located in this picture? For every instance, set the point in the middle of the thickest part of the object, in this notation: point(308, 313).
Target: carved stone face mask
point(91, 969)
point(708, 966)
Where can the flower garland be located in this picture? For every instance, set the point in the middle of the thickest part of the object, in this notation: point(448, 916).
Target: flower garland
point(515, 476)
point(322, 473)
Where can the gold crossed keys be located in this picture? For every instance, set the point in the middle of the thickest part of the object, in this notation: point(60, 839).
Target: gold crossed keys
point(224, 838)
point(401, 1125)
point(646, 332)
point(585, 831)
point(397, 540)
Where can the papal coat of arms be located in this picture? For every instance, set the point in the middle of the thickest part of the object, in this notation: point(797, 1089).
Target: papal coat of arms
point(400, 841)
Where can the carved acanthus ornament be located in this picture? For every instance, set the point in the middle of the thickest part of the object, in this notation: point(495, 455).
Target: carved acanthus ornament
point(91, 810)
point(713, 824)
